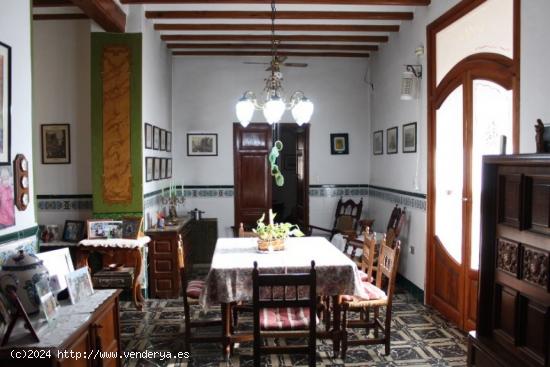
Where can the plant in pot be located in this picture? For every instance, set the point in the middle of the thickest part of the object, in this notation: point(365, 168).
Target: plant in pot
point(272, 236)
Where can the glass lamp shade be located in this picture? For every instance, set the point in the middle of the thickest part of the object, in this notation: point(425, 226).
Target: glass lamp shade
point(408, 86)
point(273, 110)
point(244, 110)
point(302, 111)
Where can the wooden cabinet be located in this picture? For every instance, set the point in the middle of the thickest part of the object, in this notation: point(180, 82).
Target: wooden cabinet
point(98, 330)
point(513, 324)
point(168, 248)
point(203, 235)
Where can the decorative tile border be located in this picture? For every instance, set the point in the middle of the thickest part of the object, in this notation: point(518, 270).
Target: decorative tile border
point(64, 202)
point(405, 198)
point(338, 190)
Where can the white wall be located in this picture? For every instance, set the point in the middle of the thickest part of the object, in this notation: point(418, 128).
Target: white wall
point(205, 91)
point(156, 99)
point(15, 31)
point(535, 79)
point(61, 76)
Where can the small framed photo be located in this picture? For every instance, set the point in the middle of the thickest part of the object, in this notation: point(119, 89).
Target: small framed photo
point(96, 229)
point(378, 142)
point(162, 168)
point(409, 138)
point(48, 302)
point(79, 285)
point(148, 136)
point(339, 144)
point(148, 169)
point(168, 141)
point(156, 169)
point(162, 139)
point(59, 263)
point(169, 168)
point(202, 144)
point(391, 136)
point(131, 227)
point(56, 143)
point(156, 138)
point(73, 230)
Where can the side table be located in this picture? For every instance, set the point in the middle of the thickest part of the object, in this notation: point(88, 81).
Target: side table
point(127, 251)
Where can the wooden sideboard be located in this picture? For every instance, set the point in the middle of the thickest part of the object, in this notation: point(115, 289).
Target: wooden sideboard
point(513, 323)
point(87, 327)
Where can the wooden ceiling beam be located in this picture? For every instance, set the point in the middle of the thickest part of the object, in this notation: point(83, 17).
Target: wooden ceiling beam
point(106, 13)
point(268, 46)
point(266, 53)
point(278, 27)
point(50, 3)
point(319, 2)
point(280, 38)
point(342, 15)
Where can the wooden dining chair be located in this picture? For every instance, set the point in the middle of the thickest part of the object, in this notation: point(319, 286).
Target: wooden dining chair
point(192, 291)
point(244, 233)
point(346, 218)
point(284, 316)
point(377, 298)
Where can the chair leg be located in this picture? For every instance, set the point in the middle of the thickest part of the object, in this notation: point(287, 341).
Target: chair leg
point(326, 314)
point(375, 322)
point(187, 328)
point(344, 333)
point(387, 331)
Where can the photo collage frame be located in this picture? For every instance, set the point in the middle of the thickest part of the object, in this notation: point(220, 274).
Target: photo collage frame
point(157, 139)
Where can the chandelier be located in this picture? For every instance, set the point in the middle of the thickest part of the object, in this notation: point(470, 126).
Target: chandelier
point(274, 104)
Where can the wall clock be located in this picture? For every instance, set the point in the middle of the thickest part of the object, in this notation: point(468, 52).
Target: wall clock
point(21, 175)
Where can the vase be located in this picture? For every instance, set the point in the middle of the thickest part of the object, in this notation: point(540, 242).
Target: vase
point(22, 271)
point(273, 245)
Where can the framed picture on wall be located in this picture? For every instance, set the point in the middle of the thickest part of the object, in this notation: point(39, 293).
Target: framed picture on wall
point(168, 141)
point(156, 169)
point(339, 144)
point(5, 103)
point(202, 144)
point(148, 136)
point(162, 139)
point(156, 138)
point(7, 214)
point(409, 138)
point(162, 168)
point(148, 169)
point(56, 143)
point(391, 136)
point(73, 230)
point(169, 168)
point(378, 142)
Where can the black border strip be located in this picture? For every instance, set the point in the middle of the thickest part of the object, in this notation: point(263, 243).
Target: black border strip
point(76, 196)
point(336, 186)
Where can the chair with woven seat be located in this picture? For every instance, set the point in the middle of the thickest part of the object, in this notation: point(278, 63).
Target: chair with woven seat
point(376, 299)
point(244, 233)
point(191, 293)
point(287, 315)
point(346, 218)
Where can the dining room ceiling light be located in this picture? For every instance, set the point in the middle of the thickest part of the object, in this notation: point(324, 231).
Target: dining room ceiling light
point(274, 104)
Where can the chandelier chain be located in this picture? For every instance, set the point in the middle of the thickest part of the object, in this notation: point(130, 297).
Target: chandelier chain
point(273, 42)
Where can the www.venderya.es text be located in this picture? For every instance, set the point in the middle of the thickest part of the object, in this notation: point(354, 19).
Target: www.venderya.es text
point(96, 354)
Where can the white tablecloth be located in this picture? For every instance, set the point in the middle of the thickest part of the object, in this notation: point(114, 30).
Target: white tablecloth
point(230, 275)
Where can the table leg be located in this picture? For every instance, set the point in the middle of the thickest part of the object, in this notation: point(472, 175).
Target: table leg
point(81, 258)
point(336, 332)
point(137, 280)
point(226, 330)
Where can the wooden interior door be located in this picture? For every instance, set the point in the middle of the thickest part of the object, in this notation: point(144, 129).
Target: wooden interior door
point(302, 173)
point(469, 108)
point(252, 172)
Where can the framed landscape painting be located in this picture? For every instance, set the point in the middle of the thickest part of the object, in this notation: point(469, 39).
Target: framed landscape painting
point(409, 138)
point(148, 136)
point(202, 144)
point(378, 142)
point(5, 101)
point(339, 144)
point(56, 143)
point(148, 169)
point(391, 140)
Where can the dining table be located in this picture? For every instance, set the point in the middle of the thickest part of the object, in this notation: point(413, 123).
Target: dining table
point(229, 280)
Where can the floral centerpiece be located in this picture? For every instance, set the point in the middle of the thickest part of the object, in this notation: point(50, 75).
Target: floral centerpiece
point(272, 236)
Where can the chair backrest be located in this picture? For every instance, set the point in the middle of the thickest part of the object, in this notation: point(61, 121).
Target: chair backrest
point(397, 219)
point(243, 233)
point(388, 263)
point(347, 215)
point(367, 257)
